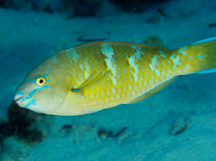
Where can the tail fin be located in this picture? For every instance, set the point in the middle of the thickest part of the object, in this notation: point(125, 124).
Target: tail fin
point(199, 57)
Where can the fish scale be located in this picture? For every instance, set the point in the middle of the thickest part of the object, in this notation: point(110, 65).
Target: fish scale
point(100, 75)
point(128, 52)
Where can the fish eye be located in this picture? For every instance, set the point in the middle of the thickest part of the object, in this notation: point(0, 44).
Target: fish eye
point(40, 81)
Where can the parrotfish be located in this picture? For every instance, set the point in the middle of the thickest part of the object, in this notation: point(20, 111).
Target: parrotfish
point(100, 75)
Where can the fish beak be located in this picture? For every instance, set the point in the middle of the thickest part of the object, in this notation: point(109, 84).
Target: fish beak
point(18, 98)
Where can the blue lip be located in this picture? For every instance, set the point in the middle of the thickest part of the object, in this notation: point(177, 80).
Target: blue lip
point(19, 93)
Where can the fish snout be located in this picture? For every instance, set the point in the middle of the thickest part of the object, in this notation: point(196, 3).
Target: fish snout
point(18, 98)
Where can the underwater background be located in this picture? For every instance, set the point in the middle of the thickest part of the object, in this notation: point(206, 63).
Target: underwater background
point(178, 123)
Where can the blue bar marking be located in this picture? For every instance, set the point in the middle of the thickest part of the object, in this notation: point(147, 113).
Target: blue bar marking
point(33, 92)
point(32, 102)
point(19, 93)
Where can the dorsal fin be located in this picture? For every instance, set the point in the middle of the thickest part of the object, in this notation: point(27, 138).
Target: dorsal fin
point(153, 91)
point(148, 46)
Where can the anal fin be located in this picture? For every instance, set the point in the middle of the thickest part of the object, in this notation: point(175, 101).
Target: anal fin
point(153, 91)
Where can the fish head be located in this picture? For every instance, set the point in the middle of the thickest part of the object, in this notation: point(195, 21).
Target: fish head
point(44, 89)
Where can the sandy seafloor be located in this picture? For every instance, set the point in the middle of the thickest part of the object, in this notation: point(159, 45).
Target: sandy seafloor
point(189, 103)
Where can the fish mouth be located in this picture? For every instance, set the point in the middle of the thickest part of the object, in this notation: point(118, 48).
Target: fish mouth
point(18, 99)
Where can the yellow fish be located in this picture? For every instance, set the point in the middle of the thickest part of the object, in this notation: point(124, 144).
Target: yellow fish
point(100, 75)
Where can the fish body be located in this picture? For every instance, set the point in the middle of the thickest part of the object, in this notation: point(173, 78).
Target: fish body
point(99, 75)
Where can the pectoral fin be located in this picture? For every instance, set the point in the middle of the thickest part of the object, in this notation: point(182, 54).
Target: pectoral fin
point(94, 77)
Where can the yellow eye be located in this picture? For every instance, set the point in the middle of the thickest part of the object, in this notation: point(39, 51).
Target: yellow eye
point(40, 81)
